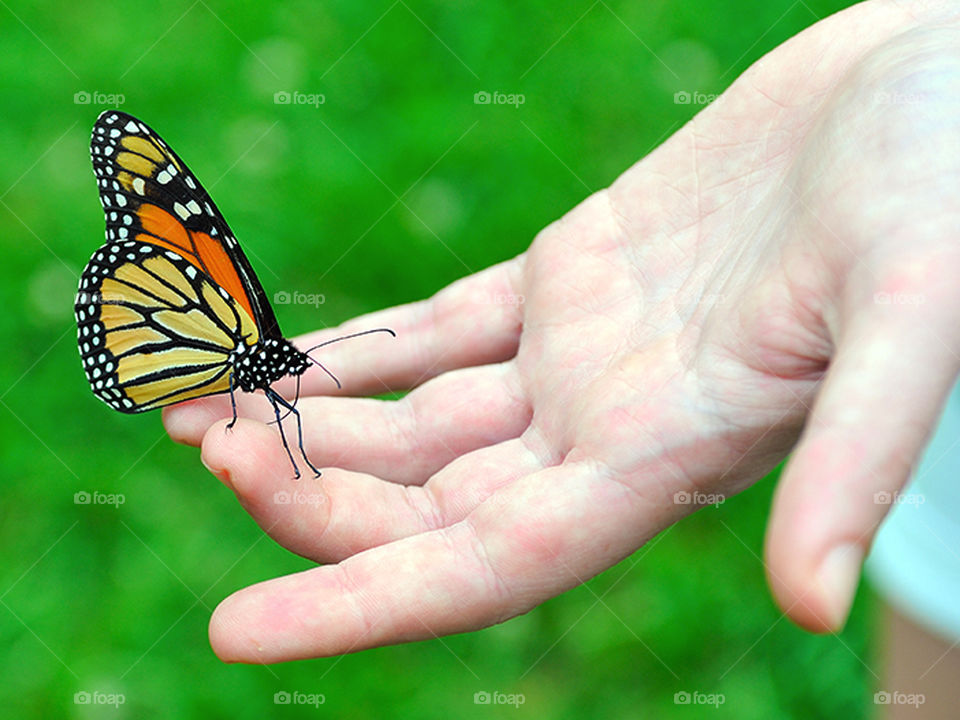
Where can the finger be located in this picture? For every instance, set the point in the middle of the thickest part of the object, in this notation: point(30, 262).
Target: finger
point(342, 513)
point(474, 321)
point(324, 518)
point(858, 448)
point(553, 530)
point(188, 422)
point(403, 441)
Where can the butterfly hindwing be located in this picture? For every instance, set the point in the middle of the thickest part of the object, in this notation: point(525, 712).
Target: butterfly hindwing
point(153, 330)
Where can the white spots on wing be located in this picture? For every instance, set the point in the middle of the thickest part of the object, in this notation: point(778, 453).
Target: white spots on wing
point(121, 200)
point(138, 185)
point(180, 210)
point(163, 177)
point(193, 207)
point(131, 127)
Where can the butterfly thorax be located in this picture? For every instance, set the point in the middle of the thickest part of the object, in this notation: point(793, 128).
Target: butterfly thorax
point(258, 366)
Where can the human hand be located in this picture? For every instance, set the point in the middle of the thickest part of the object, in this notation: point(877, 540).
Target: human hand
point(783, 267)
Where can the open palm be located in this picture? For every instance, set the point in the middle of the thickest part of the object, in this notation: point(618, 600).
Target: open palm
point(783, 268)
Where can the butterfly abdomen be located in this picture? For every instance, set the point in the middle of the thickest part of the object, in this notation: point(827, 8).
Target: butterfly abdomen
point(257, 366)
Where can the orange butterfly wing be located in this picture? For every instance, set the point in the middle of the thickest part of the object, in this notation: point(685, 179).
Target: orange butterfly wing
point(150, 195)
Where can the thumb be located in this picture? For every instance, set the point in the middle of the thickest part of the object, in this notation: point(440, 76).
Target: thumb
point(880, 402)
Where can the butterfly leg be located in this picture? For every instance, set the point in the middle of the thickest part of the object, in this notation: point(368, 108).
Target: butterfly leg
point(233, 402)
point(274, 398)
point(290, 408)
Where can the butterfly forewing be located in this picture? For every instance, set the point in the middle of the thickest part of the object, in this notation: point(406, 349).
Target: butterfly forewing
point(149, 194)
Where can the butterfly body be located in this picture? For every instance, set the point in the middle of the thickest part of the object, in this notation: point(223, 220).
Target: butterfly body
point(258, 366)
point(169, 308)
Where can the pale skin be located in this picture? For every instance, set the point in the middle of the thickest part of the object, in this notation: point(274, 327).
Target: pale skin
point(781, 274)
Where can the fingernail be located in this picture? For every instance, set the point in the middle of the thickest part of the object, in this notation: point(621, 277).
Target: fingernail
point(220, 474)
point(838, 576)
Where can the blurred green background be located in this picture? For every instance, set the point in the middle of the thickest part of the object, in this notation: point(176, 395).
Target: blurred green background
point(117, 600)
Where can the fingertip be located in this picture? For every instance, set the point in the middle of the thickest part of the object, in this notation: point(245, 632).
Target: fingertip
point(265, 623)
point(837, 577)
point(187, 422)
point(229, 638)
point(241, 455)
point(228, 449)
point(176, 421)
point(813, 583)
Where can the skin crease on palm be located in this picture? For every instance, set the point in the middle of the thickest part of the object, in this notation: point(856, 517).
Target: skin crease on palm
point(780, 274)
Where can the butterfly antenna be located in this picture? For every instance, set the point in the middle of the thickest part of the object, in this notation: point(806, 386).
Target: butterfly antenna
point(338, 339)
point(351, 336)
point(320, 365)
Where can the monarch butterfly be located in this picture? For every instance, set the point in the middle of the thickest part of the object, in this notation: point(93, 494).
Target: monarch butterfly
point(169, 307)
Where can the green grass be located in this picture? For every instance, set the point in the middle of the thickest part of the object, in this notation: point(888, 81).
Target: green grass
point(117, 600)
